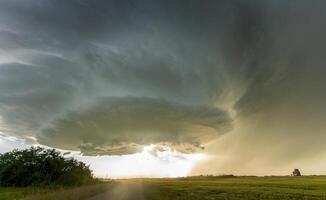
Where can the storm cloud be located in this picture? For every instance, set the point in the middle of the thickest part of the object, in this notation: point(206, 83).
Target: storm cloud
point(109, 77)
point(124, 125)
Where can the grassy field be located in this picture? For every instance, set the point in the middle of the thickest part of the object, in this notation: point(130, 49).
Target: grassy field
point(238, 188)
point(195, 188)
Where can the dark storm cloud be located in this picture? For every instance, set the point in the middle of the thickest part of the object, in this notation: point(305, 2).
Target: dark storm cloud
point(125, 124)
point(177, 69)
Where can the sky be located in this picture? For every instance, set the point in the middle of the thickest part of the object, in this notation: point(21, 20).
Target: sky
point(174, 87)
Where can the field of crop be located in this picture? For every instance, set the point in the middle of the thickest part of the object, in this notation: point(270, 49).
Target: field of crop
point(237, 188)
point(195, 188)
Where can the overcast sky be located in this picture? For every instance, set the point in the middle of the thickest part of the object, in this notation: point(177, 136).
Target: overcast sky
point(241, 81)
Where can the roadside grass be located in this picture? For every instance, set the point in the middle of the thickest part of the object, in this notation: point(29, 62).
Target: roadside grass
point(77, 193)
point(52, 193)
point(13, 193)
point(237, 188)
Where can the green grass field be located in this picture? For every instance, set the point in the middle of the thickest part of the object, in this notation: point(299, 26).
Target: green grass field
point(196, 188)
point(238, 188)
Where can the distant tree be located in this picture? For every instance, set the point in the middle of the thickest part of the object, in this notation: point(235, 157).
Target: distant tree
point(39, 166)
point(296, 172)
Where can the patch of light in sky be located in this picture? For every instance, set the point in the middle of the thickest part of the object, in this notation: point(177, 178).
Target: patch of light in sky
point(8, 143)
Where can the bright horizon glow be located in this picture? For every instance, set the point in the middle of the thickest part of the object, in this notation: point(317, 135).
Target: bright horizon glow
point(151, 162)
point(148, 163)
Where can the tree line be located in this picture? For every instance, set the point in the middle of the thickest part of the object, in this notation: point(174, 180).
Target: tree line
point(39, 166)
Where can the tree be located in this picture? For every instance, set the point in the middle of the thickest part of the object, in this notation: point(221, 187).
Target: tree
point(296, 172)
point(39, 166)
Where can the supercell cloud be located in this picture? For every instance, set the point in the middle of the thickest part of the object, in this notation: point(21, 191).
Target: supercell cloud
point(109, 77)
point(121, 125)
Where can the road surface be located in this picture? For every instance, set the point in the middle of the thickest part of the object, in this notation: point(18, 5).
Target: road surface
point(122, 191)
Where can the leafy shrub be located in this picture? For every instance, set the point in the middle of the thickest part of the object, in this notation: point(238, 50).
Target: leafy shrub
point(39, 166)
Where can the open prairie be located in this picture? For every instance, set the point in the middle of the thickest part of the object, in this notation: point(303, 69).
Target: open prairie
point(194, 188)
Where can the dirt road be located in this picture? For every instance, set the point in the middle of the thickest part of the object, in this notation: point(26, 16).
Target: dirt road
point(122, 191)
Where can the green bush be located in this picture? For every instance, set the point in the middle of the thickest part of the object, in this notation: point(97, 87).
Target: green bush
point(39, 166)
